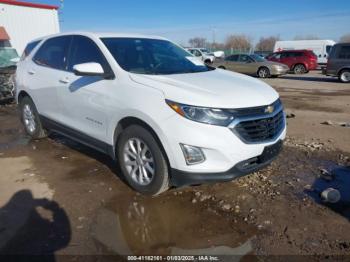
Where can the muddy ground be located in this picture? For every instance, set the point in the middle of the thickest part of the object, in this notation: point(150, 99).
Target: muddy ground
point(58, 197)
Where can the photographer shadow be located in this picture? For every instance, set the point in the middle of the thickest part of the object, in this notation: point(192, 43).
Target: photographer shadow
point(30, 226)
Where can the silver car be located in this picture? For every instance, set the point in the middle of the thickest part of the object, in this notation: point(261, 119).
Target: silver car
point(252, 65)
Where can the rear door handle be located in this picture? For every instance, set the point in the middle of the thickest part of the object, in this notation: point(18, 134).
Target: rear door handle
point(31, 72)
point(64, 80)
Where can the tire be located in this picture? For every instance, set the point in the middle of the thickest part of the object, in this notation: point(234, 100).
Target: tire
point(138, 154)
point(299, 69)
point(222, 67)
point(263, 72)
point(344, 76)
point(31, 120)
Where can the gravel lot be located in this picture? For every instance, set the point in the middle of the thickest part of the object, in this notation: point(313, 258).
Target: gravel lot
point(59, 197)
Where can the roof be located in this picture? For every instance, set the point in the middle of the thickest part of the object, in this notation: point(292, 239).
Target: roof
point(106, 35)
point(29, 4)
point(3, 34)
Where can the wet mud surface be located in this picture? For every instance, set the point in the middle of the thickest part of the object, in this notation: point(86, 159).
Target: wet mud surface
point(60, 197)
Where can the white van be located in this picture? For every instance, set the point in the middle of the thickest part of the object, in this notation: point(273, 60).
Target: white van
point(321, 48)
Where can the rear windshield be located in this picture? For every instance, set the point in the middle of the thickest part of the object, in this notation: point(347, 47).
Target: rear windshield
point(152, 56)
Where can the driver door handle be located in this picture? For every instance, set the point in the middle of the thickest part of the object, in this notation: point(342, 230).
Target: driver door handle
point(31, 72)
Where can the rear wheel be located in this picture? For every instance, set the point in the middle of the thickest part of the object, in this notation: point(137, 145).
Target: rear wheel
point(31, 119)
point(263, 72)
point(142, 161)
point(299, 69)
point(344, 76)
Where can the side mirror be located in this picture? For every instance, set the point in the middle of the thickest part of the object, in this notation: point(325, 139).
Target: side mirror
point(89, 69)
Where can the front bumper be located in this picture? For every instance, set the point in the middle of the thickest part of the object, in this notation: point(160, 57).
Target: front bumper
point(181, 178)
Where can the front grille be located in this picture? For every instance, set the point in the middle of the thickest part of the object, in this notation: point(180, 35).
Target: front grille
point(260, 130)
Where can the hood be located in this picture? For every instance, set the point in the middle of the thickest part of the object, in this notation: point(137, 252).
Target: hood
point(217, 88)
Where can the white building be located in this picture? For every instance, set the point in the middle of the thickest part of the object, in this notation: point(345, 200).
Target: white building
point(24, 21)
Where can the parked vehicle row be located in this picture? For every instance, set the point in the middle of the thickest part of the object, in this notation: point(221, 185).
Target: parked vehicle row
point(165, 118)
point(275, 64)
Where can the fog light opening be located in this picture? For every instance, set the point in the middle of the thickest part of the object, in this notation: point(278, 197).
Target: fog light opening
point(193, 155)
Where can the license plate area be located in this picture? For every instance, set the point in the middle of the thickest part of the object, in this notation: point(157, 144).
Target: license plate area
point(271, 152)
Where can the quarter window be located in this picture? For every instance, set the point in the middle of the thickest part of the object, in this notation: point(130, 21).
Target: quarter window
point(53, 53)
point(29, 48)
point(344, 52)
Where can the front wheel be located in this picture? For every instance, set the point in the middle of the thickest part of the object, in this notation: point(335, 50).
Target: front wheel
point(30, 119)
point(264, 72)
point(344, 76)
point(142, 161)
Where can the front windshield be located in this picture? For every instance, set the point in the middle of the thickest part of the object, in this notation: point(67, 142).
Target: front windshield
point(204, 50)
point(258, 58)
point(6, 55)
point(152, 56)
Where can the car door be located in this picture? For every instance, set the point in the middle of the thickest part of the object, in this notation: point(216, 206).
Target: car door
point(231, 62)
point(287, 58)
point(44, 75)
point(244, 64)
point(85, 98)
point(342, 57)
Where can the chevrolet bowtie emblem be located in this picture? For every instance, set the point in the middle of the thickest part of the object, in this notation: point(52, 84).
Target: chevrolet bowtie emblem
point(269, 109)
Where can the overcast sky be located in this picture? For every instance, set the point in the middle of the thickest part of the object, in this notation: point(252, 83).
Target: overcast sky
point(180, 20)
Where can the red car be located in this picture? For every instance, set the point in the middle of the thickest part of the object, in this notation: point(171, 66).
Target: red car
point(299, 61)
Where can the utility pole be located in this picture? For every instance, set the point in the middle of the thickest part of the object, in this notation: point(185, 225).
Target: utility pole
point(214, 37)
point(60, 12)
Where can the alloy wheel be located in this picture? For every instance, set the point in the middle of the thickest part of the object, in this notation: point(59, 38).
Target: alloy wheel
point(345, 76)
point(299, 69)
point(263, 73)
point(29, 118)
point(139, 161)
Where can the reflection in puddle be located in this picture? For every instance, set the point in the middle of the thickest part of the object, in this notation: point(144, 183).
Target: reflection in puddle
point(169, 225)
point(19, 141)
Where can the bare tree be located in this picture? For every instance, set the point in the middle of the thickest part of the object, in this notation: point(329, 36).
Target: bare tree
point(217, 46)
point(266, 43)
point(238, 42)
point(197, 42)
point(345, 38)
point(306, 37)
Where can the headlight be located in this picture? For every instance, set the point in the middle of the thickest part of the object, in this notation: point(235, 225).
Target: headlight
point(204, 115)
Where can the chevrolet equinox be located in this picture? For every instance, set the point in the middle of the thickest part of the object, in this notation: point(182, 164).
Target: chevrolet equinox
point(166, 117)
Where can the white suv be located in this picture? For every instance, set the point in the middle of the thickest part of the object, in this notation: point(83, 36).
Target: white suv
point(203, 54)
point(167, 119)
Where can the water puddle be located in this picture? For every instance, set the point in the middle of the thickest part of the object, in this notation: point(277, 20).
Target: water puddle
point(169, 225)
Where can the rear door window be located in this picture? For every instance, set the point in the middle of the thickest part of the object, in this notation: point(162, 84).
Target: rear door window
point(245, 59)
point(232, 58)
point(344, 52)
point(53, 53)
